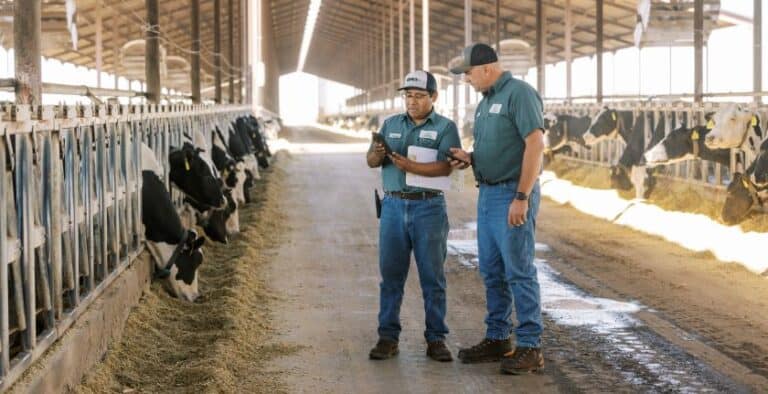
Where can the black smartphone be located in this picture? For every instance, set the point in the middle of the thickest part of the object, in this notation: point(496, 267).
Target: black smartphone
point(450, 155)
point(378, 138)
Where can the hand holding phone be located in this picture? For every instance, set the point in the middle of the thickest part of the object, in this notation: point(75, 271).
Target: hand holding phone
point(450, 155)
point(379, 139)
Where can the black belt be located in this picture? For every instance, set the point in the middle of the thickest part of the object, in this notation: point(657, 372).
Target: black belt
point(414, 195)
point(488, 183)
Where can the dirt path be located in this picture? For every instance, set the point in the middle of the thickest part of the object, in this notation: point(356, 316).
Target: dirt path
point(701, 325)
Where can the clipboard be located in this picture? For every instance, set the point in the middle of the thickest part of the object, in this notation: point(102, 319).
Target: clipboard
point(425, 155)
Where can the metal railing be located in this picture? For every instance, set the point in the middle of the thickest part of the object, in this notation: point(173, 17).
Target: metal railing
point(70, 189)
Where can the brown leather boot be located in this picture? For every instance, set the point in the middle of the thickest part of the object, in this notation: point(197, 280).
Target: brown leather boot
point(523, 360)
point(438, 351)
point(384, 349)
point(488, 350)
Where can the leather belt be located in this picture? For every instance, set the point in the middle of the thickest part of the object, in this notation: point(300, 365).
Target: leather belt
point(487, 183)
point(414, 195)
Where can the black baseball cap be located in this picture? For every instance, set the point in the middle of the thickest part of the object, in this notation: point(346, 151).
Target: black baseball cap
point(474, 55)
point(420, 79)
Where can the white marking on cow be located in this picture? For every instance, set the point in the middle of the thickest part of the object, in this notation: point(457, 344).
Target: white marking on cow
point(161, 252)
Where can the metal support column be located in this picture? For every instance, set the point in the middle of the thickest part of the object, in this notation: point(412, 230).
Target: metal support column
point(217, 49)
point(412, 35)
point(757, 56)
point(540, 50)
point(99, 43)
point(425, 34)
point(195, 61)
point(402, 46)
point(498, 26)
point(698, 43)
point(568, 50)
point(26, 42)
point(599, 50)
point(391, 76)
point(152, 54)
point(231, 53)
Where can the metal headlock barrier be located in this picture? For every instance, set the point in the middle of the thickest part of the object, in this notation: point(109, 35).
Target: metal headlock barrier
point(695, 171)
point(70, 224)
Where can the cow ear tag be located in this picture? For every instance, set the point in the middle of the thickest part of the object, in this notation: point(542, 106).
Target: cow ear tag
point(710, 124)
point(613, 115)
point(754, 121)
point(745, 182)
point(695, 135)
point(186, 164)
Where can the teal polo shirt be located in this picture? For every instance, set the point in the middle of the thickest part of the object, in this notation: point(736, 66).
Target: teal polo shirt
point(509, 111)
point(437, 132)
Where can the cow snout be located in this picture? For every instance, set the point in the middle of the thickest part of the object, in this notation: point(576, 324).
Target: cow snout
point(589, 138)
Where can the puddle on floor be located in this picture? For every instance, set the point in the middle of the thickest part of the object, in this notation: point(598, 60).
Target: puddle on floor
point(622, 339)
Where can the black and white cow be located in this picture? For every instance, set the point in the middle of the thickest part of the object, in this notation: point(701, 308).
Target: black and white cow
point(684, 144)
point(630, 170)
point(562, 132)
point(175, 250)
point(253, 128)
point(195, 177)
point(734, 126)
point(747, 190)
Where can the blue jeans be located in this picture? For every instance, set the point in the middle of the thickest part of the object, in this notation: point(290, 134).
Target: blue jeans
point(506, 264)
point(420, 226)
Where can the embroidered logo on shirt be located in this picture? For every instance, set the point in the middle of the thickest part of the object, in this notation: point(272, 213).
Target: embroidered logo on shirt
point(430, 134)
point(495, 109)
point(395, 135)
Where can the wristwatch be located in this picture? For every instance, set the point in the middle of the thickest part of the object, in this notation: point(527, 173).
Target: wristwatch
point(521, 196)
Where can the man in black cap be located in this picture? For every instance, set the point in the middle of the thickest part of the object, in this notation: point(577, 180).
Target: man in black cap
point(413, 219)
point(506, 161)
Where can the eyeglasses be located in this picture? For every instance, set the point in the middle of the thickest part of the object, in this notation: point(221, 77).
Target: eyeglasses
point(414, 96)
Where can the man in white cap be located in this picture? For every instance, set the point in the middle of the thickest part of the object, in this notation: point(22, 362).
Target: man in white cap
point(413, 219)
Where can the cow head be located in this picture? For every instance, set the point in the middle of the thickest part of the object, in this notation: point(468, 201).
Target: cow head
point(620, 178)
point(605, 125)
point(195, 176)
point(552, 134)
point(183, 276)
point(234, 179)
point(759, 168)
point(220, 223)
point(248, 185)
point(741, 196)
point(729, 127)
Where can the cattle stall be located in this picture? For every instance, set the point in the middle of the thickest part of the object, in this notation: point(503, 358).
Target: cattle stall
point(696, 171)
point(71, 223)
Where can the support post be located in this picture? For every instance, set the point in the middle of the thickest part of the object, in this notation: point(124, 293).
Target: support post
point(412, 35)
point(152, 53)
point(231, 53)
point(26, 41)
point(425, 34)
point(540, 51)
point(217, 49)
point(195, 61)
point(599, 50)
point(698, 44)
point(757, 56)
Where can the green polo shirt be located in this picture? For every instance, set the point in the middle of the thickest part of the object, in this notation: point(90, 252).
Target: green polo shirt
point(509, 111)
point(437, 132)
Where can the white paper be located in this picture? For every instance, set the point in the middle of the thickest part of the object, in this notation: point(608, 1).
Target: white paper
point(425, 155)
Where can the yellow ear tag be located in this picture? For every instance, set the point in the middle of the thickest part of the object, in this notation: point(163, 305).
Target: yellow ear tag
point(754, 121)
point(695, 135)
point(710, 124)
point(613, 115)
point(745, 182)
point(186, 164)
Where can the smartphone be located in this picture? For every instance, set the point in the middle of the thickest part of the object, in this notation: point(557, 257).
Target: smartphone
point(378, 138)
point(450, 155)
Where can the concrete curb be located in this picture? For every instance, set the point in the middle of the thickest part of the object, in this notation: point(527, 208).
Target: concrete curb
point(84, 344)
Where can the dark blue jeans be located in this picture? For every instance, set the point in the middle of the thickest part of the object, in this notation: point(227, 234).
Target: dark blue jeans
point(506, 264)
point(420, 226)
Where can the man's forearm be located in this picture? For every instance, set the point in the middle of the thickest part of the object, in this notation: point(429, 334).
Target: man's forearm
point(437, 168)
point(532, 156)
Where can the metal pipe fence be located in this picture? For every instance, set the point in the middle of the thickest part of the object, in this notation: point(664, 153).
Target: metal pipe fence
point(70, 192)
point(694, 171)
